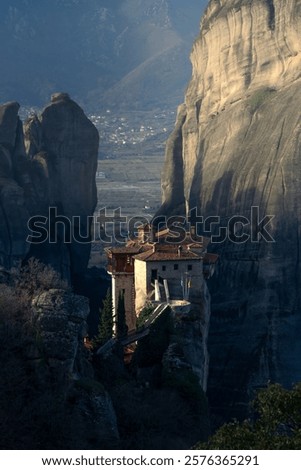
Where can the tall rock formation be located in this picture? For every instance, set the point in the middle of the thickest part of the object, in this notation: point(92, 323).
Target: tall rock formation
point(52, 165)
point(13, 211)
point(236, 146)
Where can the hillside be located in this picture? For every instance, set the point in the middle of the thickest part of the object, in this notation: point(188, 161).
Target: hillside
point(120, 54)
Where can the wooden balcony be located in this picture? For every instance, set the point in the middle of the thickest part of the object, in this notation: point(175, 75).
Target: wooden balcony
point(118, 268)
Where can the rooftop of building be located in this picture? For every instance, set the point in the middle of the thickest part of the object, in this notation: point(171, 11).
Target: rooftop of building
point(124, 250)
point(173, 237)
point(165, 246)
point(160, 252)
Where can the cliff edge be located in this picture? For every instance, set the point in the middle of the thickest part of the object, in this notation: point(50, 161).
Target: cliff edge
point(235, 152)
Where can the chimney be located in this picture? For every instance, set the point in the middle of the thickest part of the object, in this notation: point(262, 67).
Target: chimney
point(151, 233)
point(192, 232)
point(144, 233)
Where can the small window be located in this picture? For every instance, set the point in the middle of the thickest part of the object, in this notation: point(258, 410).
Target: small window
point(189, 267)
point(176, 267)
point(163, 268)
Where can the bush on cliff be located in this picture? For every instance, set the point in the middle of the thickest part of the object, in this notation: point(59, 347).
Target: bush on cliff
point(105, 326)
point(276, 424)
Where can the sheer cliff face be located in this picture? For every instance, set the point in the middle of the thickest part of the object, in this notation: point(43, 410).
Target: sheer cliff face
point(236, 145)
point(52, 164)
point(13, 211)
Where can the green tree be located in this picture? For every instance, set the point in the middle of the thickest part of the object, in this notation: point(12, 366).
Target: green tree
point(276, 426)
point(105, 326)
point(145, 314)
point(151, 348)
point(122, 328)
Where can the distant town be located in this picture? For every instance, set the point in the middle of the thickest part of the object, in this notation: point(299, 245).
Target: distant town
point(134, 133)
point(127, 133)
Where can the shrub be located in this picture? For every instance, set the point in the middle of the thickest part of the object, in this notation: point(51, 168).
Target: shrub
point(36, 276)
point(150, 349)
point(276, 426)
point(105, 326)
point(259, 97)
point(145, 314)
point(188, 386)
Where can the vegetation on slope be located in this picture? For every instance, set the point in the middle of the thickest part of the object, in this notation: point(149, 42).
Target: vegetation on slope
point(275, 425)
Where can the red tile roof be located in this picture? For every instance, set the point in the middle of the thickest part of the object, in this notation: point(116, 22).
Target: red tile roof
point(189, 249)
point(124, 250)
point(167, 256)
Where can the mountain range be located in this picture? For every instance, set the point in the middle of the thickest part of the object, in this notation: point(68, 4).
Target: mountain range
point(121, 54)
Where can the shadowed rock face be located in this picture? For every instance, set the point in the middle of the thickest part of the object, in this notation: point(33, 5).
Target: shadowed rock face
point(61, 321)
point(237, 145)
point(13, 211)
point(53, 165)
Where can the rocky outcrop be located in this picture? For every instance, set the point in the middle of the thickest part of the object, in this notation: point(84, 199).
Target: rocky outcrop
point(53, 166)
point(188, 350)
point(236, 146)
point(13, 211)
point(59, 318)
point(63, 147)
point(96, 420)
point(49, 395)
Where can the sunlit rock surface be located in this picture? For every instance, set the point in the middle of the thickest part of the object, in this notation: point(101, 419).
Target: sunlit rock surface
point(236, 145)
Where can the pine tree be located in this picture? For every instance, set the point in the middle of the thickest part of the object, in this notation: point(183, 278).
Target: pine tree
point(122, 328)
point(105, 327)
